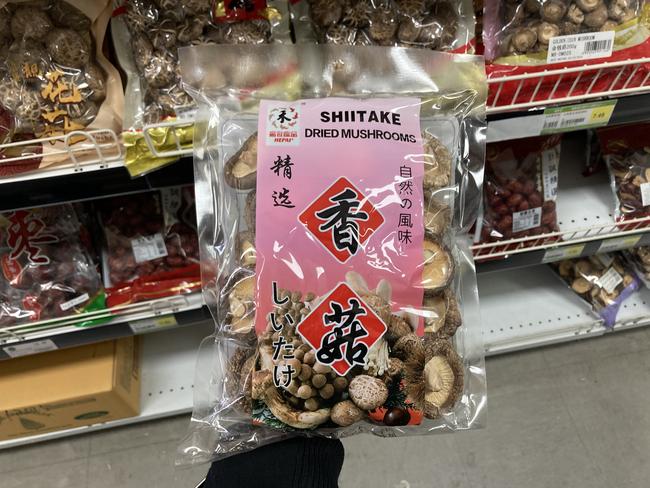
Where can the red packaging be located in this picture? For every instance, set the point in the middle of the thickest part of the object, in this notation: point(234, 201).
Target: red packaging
point(627, 155)
point(151, 245)
point(520, 189)
point(47, 271)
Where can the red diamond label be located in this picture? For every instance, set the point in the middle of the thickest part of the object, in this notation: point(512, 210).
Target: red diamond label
point(342, 219)
point(342, 329)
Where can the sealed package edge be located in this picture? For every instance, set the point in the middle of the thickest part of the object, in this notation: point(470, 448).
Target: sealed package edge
point(335, 187)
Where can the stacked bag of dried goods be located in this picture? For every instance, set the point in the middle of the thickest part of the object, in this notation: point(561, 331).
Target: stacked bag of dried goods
point(55, 80)
point(343, 300)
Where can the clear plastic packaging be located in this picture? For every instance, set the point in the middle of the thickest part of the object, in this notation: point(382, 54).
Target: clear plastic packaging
point(47, 269)
point(365, 181)
point(55, 80)
point(639, 259)
point(604, 281)
point(627, 156)
point(520, 190)
point(152, 247)
point(147, 35)
point(442, 26)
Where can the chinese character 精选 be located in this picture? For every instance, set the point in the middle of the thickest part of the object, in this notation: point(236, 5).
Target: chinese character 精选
point(342, 218)
point(346, 331)
point(281, 199)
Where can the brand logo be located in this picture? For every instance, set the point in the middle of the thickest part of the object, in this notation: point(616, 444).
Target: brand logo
point(342, 329)
point(283, 125)
point(342, 219)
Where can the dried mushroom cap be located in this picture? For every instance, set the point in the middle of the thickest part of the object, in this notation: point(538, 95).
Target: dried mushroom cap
point(383, 25)
point(565, 268)
point(588, 5)
point(160, 70)
point(326, 12)
point(410, 8)
point(447, 14)
point(437, 163)
point(196, 7)
point(241, 303)
point(407, 346)
point(340, 34)
point(291, 416)
point(30, 22)
point(437, 216)
point(567, 28)
point(65, 15)
point(9, 94)
point(96, 81)
point(250, 210)
point(28, 112)
point(609, 25)
point(553, 10)
point(575, 14)
point(249, 32)
point(240, 170)
point(68, 48)
point(397, 328)
point(596, 18)
point(357, 15)
point(409, 30)
point(367, 392)
point(581, 285)
point(438, 266)
point(82, 113)
point(445, 316)
point(523, 39)
point(443, 377)
point(247, 255)
point(346, 413)
point(547, 31)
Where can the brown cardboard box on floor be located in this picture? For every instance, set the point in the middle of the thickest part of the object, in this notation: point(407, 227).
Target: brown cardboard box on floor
point(69, 388)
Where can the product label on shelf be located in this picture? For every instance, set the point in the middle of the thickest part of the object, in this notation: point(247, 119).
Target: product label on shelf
point(645, 194)
point(580, 116)
point(526, 219)
point(564, 252)
point(610, 280)
point(619, 243)
point(186, 112)
point(146, 325)
point(148, 248)
point(74, 302)
point(589, 45)
point(550, 160)
point(35, 347)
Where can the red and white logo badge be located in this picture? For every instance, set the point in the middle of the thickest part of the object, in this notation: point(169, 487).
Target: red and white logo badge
point(342, 329)
point(283, 125)
point(342, 219)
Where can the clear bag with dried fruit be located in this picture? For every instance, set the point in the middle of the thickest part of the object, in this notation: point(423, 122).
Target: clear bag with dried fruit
point(604, 281)
point(627, 156)
point(147, 35)
point(151, 245)
point(442, 25)
point(332, 209)
point(47, 269)
point(520, 190)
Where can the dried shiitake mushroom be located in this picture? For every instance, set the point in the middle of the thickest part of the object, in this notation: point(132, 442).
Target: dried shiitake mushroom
point(596, 18)
point(367, 392)
point(575, 14)
point(383, 25)
point(588, 5)
point(581, 285)
point(68, 48)
point(567, 28)
point(326, 12)
point(30, 22)
point(438, 266)
point(241, 169)
point(346, 413)
point(407, 346)
point(523, 39)
point(437, 163)
point(547, 31)
point(397, 328)
point(445, 316)
point(241, 303)
point(437, 216)
point(553, 10)
point(246, 253)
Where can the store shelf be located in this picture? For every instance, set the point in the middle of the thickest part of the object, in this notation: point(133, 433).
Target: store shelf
point(585, 207)
point(134, 319)
point(522, 309)
point(587, 82)
point(168, 367)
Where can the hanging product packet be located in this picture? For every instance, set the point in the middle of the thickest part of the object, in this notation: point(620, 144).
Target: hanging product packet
point(530, 36)
point(521, 181)
point(442, 26)
point(55, 81)
point(627, 156)
point(332, 205)
point(46, 266)
point(147, 35)
point(604, 281)
point(639, 259)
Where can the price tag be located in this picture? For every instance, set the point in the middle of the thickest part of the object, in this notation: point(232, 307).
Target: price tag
point(74, 302)
point(550, 160)
point(526, 219)
point(30, 348)
point(610, 280)
point(575, 117)
point(645, 194)
point(147, 325)
point(564, 252)
point(572, 47)
point(186, 112)
point(148, 248)
point(619, 243)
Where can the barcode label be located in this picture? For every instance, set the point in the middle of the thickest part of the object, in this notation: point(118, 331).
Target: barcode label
point(35, 347)
point(572, 122)
point(74, 302)
point(526, 219)
point(550, 164)
point(148, 248)
point(574, 47)
point(582, 116)
point(610, 280)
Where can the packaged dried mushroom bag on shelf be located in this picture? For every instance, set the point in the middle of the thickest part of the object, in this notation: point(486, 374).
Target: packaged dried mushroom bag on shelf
point(152, 247)
point(520, 190)
point(627, 154)
point(55, 81)
point(639, 259)
point(147, 35)
point(603, 280)
point(441, 25)
point(46, 267)
point(328, 215)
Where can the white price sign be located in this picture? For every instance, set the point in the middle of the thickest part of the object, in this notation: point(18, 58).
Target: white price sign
point(147, 325)
point(589, 45)
point(581, 116)
point(564, 252)
point(30, 348)
point(148, 248)
point(619, 243)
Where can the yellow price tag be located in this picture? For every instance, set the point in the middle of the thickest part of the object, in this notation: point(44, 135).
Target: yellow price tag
point(619, 243)
point(564, 252)
point(601, 115)
point(147, 325)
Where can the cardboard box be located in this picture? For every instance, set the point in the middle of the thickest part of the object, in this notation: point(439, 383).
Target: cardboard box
point(69, 388)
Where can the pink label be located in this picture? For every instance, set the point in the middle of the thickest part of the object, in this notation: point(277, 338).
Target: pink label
point(339, 189)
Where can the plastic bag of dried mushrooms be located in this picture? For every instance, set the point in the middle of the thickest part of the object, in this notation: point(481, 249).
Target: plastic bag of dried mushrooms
point(440, 25)
point(54, 81)
point(344, 302)
point(147, 35)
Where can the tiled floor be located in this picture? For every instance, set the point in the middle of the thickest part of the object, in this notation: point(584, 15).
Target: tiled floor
point(572, 416)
